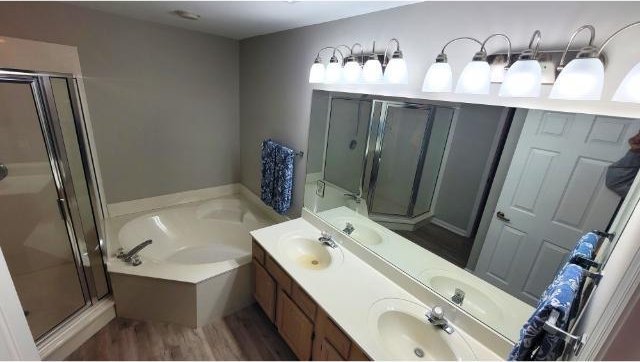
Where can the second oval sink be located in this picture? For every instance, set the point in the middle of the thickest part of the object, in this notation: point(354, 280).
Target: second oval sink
point(309, 253)
point(402, 330)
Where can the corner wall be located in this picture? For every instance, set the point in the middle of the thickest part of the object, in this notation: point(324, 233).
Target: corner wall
point(163, 101)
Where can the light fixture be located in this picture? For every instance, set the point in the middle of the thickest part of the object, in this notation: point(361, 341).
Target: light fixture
point(395, 71)
point(583, 77)
point(352, 72)
point(476, 75)
point(333, 73)
point(372, 69)
point(439, 77)
point(629, 89)
point(316, 73)
point(186, 14)
point(524, 77)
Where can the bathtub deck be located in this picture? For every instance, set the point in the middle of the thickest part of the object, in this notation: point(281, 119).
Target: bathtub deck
point(244, 335)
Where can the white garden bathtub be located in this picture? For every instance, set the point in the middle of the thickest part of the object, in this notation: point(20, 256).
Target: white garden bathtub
point(197, 268)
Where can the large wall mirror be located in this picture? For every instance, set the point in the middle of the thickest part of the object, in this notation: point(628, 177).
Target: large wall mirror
point(480, 203)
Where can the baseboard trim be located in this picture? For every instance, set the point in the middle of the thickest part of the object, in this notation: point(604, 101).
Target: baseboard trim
point(77, 331)
point(452, 228)
point(158, 202)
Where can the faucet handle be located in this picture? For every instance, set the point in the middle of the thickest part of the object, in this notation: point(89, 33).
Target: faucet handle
point(120, 253)
point(325, 235)
point(436, 313)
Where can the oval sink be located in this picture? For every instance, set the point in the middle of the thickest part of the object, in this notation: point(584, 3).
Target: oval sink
point(478, 303)
point(402, 330)
point(362, 233)
point(309, 253)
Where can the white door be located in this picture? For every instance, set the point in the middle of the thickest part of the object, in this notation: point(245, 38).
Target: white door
point(554, 192)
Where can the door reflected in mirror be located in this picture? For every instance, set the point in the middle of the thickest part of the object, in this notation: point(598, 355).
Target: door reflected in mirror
point(480, 203)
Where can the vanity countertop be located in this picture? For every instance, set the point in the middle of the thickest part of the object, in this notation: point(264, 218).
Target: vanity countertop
point(348, 290)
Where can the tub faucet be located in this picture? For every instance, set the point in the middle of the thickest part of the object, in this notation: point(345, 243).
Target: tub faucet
point(132, 256)
point(348, 229)
point(327, 239)
point(436, 318)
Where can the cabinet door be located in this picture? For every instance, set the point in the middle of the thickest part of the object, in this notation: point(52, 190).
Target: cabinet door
point(264, 290)
point(328, 352)
point(294, 326)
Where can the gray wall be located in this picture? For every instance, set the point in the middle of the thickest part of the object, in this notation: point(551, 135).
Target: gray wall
point(163, 101)
point(465, 173)
point(276, 96)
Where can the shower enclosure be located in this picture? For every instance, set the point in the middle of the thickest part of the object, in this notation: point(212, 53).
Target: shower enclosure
point(50, 219)
point(376, 148)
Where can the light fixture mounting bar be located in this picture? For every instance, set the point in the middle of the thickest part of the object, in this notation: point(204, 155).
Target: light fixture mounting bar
point(549, 61)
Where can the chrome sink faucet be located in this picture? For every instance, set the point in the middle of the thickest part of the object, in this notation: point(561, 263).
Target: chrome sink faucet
point(132, 256)
point(436, 317)
point(327, 239)
point(348, 229)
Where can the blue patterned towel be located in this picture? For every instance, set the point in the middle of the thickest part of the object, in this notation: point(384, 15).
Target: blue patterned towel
point(590, 238)
point(268, 171)
point(583, 251)
point(276, 186)
point(561, 295)
point(283, 185)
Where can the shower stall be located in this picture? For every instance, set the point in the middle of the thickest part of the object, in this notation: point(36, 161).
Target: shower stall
point(376, 148)
point(50, 214)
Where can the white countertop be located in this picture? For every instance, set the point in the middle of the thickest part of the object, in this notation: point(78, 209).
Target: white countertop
point(347, 291)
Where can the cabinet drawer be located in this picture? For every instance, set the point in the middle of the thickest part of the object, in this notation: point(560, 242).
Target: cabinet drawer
point(282, 278)
point(304, 301)
point(294, 327)
point(264, 290)
point(258, 252)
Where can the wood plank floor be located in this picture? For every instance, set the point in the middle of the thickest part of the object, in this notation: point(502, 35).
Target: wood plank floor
point(442, 242)
point(244, 335)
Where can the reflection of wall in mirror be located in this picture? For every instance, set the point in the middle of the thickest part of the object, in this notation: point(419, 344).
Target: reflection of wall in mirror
point(467, 166)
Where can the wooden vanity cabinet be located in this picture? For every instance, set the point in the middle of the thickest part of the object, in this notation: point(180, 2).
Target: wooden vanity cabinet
point(307, 329)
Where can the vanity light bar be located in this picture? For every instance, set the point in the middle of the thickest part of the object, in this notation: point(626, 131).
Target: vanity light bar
point(364, 68)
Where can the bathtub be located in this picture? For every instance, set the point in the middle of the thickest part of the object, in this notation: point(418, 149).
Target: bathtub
point(197, 268)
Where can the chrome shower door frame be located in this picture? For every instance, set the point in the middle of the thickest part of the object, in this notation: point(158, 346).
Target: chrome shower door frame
point(49, 122)
point(379, 145)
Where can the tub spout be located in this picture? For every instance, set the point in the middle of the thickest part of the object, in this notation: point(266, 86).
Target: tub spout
point(132, 254)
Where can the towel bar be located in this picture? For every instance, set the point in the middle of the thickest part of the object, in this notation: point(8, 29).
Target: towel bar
point(573, 341)
point(297, 153)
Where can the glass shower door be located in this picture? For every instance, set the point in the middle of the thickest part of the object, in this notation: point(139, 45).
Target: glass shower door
point(35, 237)
point(404, 130)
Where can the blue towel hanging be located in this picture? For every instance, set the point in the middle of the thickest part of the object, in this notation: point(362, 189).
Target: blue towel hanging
point(562, 295)
point(590, 238)
point(582, 254)
point(268, 171)
point(276, 186)
point(283, 184)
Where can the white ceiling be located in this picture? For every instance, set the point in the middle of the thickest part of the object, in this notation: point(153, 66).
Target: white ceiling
point(242, 19)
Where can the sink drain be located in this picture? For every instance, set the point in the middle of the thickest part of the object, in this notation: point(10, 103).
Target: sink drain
point(418, 352)
point(315, 262)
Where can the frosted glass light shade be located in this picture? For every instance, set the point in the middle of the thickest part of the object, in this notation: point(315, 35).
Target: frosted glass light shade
point(523, 79)
point(438, 78)
point(333, 73)
point(396, 72)
point(581, 79)
point(352, 72)
point(629, 89)
point(372, 71)
point(316, 74)
point(475, 78)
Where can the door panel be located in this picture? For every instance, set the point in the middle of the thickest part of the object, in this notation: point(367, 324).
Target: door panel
point(554, 192)
point(33, 234)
